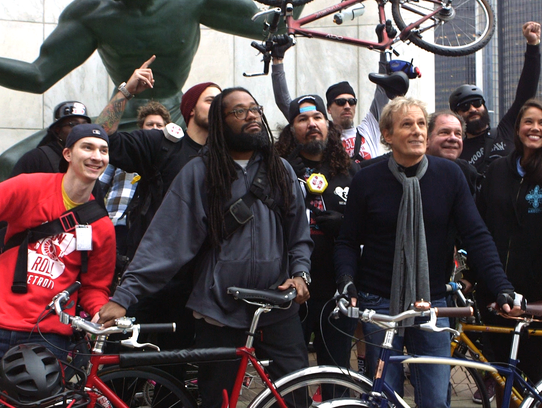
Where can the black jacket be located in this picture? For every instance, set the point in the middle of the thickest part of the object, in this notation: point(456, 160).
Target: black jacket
point(503, 135)
point(512, 210)
point(157, 161)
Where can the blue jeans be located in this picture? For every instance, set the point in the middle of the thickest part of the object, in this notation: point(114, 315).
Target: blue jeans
point(430, 381)
point(57, 343)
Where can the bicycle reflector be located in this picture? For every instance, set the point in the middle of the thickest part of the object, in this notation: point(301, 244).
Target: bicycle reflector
point(405, 66)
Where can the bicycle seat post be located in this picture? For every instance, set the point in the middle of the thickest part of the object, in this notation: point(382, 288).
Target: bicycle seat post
point(254, 325)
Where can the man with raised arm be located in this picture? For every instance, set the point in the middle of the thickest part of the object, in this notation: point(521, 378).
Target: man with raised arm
point(157, 155)
point(81, 248)
point(403, 210)
point(266, 245)
point(482, 144)
point(361, 142)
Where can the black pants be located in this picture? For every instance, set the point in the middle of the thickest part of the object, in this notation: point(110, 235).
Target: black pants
point(281, 342)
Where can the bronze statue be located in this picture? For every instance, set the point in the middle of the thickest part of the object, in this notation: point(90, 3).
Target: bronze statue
point(126, 33)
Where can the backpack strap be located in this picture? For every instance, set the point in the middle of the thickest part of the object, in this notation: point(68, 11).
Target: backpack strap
point(86, 213)
point(357, 145)
point(52, 156)
point(239, 213)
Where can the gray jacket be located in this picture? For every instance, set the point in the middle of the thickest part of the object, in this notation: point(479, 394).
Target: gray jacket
point(252, 257)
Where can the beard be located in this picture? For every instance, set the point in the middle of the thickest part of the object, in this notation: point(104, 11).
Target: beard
point(314, 147)
point(478, 125)
point(347, 123)
point(201, 120)
point(246, 142)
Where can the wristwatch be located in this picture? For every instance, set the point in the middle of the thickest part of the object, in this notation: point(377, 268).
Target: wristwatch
point(303, 275)
point(122, 89)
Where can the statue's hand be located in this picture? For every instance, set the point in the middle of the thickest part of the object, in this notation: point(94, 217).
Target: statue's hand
point(142, 78)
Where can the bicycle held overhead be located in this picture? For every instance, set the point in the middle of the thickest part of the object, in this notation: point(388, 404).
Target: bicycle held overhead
point(449, 28)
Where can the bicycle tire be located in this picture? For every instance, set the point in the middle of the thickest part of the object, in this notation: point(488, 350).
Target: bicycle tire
point(314, 384)
point(529, 402)
point(147, 387)
point(452, 35)
point(278, 3)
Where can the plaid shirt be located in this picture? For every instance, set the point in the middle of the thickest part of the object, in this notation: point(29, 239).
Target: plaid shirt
point(121, 192)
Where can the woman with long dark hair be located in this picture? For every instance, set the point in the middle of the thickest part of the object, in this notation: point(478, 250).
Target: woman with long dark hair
point(511, 204)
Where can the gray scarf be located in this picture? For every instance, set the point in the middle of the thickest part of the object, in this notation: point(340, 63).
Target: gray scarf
point(410, 280)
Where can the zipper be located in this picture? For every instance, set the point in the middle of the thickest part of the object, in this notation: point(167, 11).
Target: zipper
point(510, 239)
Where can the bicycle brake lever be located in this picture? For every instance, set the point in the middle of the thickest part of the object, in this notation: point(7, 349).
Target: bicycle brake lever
point(431, 325)
point(132, 341)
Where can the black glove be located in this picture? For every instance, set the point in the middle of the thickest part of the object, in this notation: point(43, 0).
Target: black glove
point(281, 43)
point(346, 288)
point(511, 298)
point(329, 222)
point(297, 162)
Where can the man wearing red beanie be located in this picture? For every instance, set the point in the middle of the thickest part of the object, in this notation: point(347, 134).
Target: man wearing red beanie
point(195, 105)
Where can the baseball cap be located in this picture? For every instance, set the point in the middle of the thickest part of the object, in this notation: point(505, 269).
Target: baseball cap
point(69, 109)
point(294, 110)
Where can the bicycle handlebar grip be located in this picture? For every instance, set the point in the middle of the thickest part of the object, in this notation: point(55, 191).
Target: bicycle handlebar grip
point(74, 287)
point(157, 327)
point(454, 311)
point(534, 309)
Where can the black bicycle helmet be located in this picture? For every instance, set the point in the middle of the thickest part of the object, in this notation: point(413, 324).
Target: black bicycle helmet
point(69, 109)
point(30, 372)
point(465, 93)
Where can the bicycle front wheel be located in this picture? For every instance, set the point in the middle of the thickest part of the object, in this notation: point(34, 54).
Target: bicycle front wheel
point(314, 385)
point(462, 28)
point(147, 387)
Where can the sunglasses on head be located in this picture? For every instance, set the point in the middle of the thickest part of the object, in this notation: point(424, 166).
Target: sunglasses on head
point(342, 101)
point(465, 106)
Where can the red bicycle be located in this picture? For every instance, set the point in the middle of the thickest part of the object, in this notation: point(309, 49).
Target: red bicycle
point(450, 27)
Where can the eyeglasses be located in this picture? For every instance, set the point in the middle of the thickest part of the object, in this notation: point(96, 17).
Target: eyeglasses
point(342, 101)
point(465, 106)
point(242, 113)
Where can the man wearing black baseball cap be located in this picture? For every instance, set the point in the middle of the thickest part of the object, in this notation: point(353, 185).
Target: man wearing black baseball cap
point(46, 157)
point(58, 250)
point(362, 142)
point(483, 144)
point(313, 147)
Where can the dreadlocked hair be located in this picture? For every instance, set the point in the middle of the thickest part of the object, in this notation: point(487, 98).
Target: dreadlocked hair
point(221, 171)
point(334, 153)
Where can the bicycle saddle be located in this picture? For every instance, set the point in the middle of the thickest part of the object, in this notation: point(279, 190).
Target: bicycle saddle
point(395, 84)
point(270, 296)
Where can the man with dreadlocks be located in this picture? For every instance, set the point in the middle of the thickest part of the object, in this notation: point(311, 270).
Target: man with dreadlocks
point(313, 146)
point(191, 226)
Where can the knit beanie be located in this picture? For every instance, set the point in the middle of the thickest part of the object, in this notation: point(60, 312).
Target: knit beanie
point(338, 89)
point(190, 98)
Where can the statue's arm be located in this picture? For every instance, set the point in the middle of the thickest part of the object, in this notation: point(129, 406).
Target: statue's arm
point(235, 17)
point(67, 47)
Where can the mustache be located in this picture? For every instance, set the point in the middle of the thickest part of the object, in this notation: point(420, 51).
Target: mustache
point(314, 131)
point(243, 128)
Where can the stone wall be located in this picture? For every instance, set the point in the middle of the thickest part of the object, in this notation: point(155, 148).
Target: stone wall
point(311, 66)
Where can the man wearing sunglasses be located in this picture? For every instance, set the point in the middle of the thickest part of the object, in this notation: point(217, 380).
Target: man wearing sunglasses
point(361, 142)
point(483, 144)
